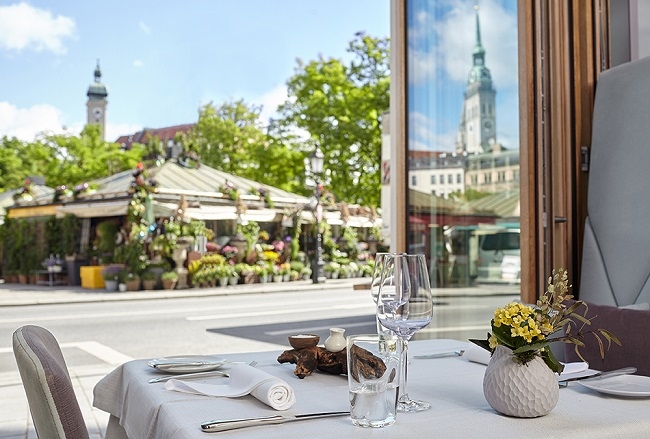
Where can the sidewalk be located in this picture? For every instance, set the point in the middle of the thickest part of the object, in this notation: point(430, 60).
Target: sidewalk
point(21, 294)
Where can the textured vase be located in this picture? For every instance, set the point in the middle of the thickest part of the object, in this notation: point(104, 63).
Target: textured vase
point(520, 390)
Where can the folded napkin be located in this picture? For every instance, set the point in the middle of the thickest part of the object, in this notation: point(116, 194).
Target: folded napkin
point(476, 354)
point(244, 380)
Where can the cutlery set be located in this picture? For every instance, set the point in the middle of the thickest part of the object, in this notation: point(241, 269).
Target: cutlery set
point(232, 424)
point(194, 374)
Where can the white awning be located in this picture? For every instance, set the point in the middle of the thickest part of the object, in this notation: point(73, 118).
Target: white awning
point(94, 209)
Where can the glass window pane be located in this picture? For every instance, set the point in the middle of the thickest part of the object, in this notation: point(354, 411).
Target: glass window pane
point(462, 95)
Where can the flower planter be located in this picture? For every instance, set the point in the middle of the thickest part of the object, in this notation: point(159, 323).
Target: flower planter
point(149, 284)
point(111, 285)
point(233, 281)
point(522, 391)
point(133, 285)
point(277, 278)
point(168, 284)
point(223, 281)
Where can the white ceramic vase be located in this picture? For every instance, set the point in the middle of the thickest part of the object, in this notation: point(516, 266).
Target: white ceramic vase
point(336, 341)
point(520, 390)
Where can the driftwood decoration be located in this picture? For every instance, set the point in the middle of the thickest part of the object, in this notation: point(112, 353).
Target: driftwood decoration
point(307, 360)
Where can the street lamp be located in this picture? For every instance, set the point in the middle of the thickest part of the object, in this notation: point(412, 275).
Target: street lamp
point(317, 161)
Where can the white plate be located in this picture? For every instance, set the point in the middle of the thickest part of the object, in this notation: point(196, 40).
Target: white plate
point(635, 386)
point(187, 363)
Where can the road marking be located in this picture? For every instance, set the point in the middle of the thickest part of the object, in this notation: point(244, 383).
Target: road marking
point(152, 312)
point(96, 349)
point(275, 312)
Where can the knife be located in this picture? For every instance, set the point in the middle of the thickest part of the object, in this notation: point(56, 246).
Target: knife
point(441, 354)
point(601, 375)
point(231, 424)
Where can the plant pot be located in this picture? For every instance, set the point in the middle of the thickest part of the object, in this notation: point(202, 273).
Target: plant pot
point(133, 285)
point(233, 281)
point(168, 284)
point(223, 281)
point(149, 284)
point(111, 285)
point(121, 287)
point(523, 391)
point(277, 278)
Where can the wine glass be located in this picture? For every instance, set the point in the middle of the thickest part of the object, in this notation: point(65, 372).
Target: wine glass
point(405, 307)
point(384, 263)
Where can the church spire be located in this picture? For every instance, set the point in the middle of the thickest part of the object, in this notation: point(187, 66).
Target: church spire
point(478, 72)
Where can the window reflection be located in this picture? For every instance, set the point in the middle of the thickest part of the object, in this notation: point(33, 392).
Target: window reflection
point(463, 142)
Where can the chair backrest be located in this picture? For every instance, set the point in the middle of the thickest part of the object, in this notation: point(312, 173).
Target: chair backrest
point(51, 397)
point(616, 248)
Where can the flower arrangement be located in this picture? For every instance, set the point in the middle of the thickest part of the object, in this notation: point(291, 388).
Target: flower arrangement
point(528, 330)
point(229, 252)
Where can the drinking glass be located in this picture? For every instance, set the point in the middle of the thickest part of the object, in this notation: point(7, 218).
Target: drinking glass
point(405, 307)
point(373, 390)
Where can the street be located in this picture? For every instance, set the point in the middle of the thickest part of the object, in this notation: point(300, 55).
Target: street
point(96, 337)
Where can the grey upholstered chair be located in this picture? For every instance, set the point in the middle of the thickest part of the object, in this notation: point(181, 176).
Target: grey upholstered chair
point(616, 249)
point(51, 397)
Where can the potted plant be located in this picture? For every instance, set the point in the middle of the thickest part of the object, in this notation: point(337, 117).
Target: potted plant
point(111, 277)
point(132, 282)
point(169, 279)
point(149, 280)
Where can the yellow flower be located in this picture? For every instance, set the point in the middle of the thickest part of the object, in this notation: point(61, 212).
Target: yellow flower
point(493, 341)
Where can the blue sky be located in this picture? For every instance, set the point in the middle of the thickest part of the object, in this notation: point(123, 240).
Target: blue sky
point(161, 60)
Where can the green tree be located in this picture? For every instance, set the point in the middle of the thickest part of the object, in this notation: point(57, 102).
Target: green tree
point(231, 138)
point(341, 106)
point(87, 157)
point(12, 173)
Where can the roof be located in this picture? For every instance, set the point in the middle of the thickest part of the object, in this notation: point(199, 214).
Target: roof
point(164, 134)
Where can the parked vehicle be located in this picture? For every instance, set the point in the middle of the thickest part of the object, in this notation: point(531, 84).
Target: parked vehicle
point(499, 255)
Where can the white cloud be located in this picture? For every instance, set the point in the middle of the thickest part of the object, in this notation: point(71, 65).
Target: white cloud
point(423, 136)
point(25, 27)
point(270, 102)
point(144, 27)
point(137, 63)
point(115, 130)
point(27, 123)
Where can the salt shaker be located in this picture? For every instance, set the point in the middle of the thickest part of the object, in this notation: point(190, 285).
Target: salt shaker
point(336, 341)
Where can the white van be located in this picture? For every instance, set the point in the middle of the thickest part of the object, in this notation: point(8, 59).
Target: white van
point(499, 256)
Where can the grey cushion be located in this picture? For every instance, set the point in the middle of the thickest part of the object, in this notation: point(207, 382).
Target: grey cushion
point(629, 325)
point(616, 249)
point(45, 377)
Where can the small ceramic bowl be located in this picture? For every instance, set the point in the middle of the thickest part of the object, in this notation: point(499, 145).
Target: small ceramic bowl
point(301, 341)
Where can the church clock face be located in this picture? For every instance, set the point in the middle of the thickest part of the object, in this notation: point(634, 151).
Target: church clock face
point(487, 127)
point(97, 114)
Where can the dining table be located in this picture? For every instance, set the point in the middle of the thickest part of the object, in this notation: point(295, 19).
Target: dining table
point(452, 384)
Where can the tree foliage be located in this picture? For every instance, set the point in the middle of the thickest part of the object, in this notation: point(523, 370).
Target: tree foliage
point(341, 107)
point(63, 160)
point(231, 138)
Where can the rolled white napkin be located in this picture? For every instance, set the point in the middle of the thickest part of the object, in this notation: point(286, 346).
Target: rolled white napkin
point(477, 354)
point(244, 380)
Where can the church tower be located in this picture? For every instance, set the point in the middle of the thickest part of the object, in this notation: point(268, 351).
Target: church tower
point(96, 105)
point(477, 130)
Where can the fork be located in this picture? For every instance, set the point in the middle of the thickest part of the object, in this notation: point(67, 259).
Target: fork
point(195, 374)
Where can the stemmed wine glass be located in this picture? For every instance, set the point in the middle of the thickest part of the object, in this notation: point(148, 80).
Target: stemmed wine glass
point(405, 307)
point(382, 278)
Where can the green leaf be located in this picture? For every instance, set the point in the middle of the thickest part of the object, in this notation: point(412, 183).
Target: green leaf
point(552, 362)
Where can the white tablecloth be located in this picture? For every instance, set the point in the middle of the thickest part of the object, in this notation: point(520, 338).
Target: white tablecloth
point(452, 385)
